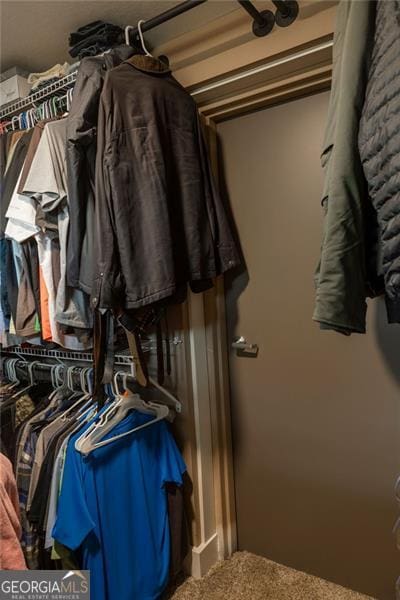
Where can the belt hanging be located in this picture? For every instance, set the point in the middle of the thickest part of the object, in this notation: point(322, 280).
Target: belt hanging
point(103, 353)
point(167, 344)
point(129, 325)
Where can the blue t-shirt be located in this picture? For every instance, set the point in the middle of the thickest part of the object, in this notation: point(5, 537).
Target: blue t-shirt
point(113, 507)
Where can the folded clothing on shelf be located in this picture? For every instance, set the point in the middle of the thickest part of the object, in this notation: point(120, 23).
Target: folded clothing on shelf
point(93, 38)
point(39, 79)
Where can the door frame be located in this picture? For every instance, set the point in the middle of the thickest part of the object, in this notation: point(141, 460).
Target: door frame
point(300, 72)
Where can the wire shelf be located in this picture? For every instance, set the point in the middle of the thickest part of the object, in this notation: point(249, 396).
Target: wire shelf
point(65, 355)
point(62, 84)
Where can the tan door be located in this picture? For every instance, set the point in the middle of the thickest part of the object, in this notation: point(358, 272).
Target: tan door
point(316, 417)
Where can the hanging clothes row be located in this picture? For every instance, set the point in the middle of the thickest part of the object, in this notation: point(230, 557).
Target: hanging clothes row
point(36, 303)
point(69, 459)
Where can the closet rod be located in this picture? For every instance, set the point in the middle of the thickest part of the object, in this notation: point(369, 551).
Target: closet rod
point(253, 12)
point(167, 15)
point(263, 21)
point(287, 12)
point(47, 370)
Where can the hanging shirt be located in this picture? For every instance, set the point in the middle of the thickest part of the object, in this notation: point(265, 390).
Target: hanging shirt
point(21, 295)
point(21, 215)
point(26, 323)
point(46, 183)
point(15, 161)
point(49, 252)
point(44, 308)
point(33, 144)
point(113, 507)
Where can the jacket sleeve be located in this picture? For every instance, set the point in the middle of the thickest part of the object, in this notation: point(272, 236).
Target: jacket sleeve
point(227, 252)
point(106, 278)
point(342, 274)
point(80, 159)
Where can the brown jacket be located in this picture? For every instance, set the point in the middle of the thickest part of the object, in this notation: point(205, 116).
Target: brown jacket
point(159, 221)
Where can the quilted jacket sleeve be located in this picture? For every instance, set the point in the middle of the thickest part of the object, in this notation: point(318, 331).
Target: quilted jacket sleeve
point(379, 144)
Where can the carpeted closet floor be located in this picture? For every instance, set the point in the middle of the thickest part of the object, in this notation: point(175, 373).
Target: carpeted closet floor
point(249, 577)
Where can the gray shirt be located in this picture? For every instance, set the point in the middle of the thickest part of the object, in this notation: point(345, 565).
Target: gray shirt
point(46, 182)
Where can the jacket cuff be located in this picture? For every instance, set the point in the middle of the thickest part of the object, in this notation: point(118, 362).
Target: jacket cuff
point(393, 309)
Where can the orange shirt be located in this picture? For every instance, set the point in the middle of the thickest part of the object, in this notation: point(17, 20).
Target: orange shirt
point(44, 308)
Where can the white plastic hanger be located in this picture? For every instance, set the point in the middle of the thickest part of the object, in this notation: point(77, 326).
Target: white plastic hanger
point(87, 390)
point(13, 120)
point(139, 26)
point(31, 381)
point(167, 394)
point(82, 398)
point(29, 120)
point(91, 427)
point(130, 402)
point(11, 372)
point(128, 29)
point(91, 439)
point(69, 98)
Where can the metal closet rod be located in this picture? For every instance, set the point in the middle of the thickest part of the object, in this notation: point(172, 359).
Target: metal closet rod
point(46, 369)
point(281, 5)
point(284, 8)
point(167, 15)
point(286, 12)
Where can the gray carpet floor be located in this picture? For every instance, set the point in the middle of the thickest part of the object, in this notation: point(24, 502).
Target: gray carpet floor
point(249, 577)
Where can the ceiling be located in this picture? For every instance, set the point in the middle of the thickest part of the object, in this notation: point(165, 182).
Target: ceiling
point(34, 33)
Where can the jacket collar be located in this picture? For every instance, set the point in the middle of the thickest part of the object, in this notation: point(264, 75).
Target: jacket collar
point(116, 55)
point(148, 64)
